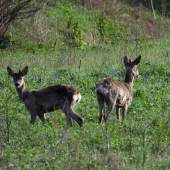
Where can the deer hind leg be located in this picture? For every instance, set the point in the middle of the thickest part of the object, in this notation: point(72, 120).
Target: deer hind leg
point(42, 117)
point(70, 114)
point(69, 120)
point(124, 110)
point(118, 113)
point(101, 106)
point(110, 106)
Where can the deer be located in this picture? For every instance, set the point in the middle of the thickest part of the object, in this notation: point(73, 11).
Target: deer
point(116, 93)
point(48, 99)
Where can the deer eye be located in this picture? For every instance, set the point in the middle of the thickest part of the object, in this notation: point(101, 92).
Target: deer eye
point(14, 78)
point(135, 68)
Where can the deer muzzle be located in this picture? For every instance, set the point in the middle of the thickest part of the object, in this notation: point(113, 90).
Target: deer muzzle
point(16, 84)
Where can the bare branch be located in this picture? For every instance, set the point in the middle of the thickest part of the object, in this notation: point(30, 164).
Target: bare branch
point(12, 10)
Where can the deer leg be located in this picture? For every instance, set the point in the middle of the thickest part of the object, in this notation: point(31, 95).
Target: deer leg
point(67, 114)
point(101, 112)
point(110, 106)
point(124, 110)
point(42, 117)
point(33, 118)
point(76, 117)
point(118, 113)
point(71, 114)
point(101, 105)
point(69, 120)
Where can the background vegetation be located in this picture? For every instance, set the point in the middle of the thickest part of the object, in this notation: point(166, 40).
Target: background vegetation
point(52, 43)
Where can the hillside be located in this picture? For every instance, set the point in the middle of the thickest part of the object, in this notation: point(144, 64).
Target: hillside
point(62, 23)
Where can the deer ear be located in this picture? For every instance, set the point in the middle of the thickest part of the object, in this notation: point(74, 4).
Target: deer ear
point(10, 71)
point(125, 60)
point(24, 71)
point(137, 60)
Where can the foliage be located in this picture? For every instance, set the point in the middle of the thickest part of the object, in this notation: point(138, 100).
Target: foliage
point(134, 144)
point(61, 23)
point(73, 34)
point(141, 142)
point(12, 10)
point(160, 5)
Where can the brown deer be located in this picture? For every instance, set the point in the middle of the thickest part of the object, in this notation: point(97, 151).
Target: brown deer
point(113, 92)
point(54, 97)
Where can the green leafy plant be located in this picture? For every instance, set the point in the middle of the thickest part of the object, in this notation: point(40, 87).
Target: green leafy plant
point(73, 35)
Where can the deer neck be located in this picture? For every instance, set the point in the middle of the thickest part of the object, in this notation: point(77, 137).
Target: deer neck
point(22, 92)
point(129, 78)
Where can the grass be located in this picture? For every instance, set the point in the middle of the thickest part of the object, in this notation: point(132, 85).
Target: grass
point(62, 23)
point(134, 144)
point(141, 142)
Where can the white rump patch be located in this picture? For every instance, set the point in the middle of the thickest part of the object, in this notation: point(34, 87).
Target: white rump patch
point(77, 97)
point(102, 90)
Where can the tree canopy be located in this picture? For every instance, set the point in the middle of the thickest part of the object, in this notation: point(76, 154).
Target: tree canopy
point(161, 6)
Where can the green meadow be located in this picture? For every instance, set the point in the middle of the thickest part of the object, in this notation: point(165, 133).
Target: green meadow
point(141, 142)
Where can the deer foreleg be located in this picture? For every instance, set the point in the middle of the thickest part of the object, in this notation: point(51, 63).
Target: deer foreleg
point(124, 110)
point(33, 118)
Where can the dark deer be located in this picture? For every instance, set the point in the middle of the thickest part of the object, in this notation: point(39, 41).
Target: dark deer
point(113, 92)
point(54, 97)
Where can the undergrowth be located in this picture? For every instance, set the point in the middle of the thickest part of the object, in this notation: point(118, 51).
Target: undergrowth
point(79, 48)
point(61, 23)
point(138, 142)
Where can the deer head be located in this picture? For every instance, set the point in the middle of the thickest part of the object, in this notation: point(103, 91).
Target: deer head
point(131, 66)
point(18, 77)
